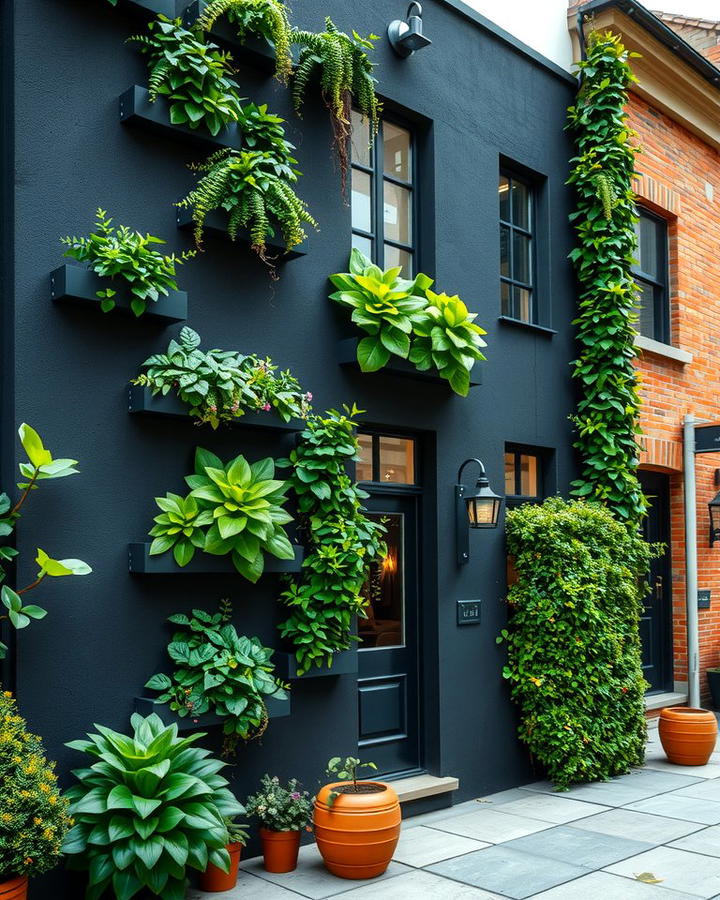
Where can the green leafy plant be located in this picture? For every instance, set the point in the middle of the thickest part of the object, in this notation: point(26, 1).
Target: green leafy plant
point(180, 527)
point(268, 18)
point(255, 189)
point(194, 76)
point(574, 662)
point(148, 807)
point(263, 132)
point(280, 807)
point(237, 833)
point(117, 252)
point(608, 410)
point(407, 319)
point(223, 385)
point(34, 817)
point(219, 671)
point(346, 769)
point(341, 541)
point(40, 466)
point(346, 80)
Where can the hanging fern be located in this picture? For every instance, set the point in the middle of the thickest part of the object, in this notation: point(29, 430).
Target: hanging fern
point(346, 79)
point(268, 18)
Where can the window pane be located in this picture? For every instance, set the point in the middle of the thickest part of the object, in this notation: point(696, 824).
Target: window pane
point(521, 258)
point(394, 256)
point(520, 204)
point(505, 251)
point(646, 308)
point(504, 197)
point(505, 302)
point(397, 460)
point(528, 475)
point(361, 200)
point(397, 213)
point(384, 590)
point(521, 304)
point(364, 467)
point(360, 141)
point(509, 473)
point(396, 150)
point(647, 233)
point(363, 244)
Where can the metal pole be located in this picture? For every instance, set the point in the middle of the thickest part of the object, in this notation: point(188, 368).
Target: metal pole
point(691, 576)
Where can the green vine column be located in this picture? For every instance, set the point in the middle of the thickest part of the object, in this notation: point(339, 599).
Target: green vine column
point(608, 410)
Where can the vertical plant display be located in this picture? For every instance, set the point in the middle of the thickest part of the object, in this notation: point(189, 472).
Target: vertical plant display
point(608, 409)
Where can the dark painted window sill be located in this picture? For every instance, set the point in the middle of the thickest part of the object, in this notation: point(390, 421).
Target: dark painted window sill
point(529, 326)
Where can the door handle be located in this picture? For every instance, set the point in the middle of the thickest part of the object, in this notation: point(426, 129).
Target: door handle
point(659, 588)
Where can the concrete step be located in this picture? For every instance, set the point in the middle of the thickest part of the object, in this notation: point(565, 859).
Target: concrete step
point(660, 701)
point(418, 786)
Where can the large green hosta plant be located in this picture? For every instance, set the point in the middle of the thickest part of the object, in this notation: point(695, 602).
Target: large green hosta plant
point(147, 808)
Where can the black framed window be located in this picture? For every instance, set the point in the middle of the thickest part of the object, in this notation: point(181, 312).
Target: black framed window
point(523, 475)
point(386, 459)
point(383, 195)
point(517, 214)
point(652, 277)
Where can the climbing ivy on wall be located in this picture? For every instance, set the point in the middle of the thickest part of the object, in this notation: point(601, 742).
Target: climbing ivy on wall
point(608, 409)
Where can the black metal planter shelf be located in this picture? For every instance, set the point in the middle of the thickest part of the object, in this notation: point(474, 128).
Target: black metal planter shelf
point(151, 7)
point(344, 663)
point(276, 709)
point(142, 563)
point(141, 401)
point(136, 108)
point(347, 357)
point(73, 284)
point(254, 51)
point(216, 225)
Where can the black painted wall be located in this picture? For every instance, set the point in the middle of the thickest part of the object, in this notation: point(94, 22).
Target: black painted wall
point(105, 634)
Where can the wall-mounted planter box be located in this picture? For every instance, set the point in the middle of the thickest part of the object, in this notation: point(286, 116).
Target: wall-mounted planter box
point(255, 51)
point(347, 357)
point(276, 709)
point(142, 563)
point(344, 663)
point(136, 108)
point(141, 401)
point(216, 225)
point(73, 284)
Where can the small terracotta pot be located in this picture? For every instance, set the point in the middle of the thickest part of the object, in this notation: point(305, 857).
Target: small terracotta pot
point(688, 735)
point(280, 849)
point(15, 889)
point(357, 834)
point(213, 879)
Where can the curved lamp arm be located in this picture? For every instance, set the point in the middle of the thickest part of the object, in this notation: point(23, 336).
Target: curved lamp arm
point(473, 459)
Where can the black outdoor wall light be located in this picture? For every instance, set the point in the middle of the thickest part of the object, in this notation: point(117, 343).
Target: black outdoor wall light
point(714, 508)
point(407, 37)
point(478, 508)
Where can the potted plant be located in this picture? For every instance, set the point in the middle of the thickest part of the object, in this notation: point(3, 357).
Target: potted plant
point(283, 811)
point(214, 879)
point(713, 677)
point(33, 816)
point(687, 735)
point(357, 823)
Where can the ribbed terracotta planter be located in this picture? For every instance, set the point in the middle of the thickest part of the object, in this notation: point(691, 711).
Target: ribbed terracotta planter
point(688, 735)
point(280, 849)
point(213, 879)
point(15, 889)
point(358, 833)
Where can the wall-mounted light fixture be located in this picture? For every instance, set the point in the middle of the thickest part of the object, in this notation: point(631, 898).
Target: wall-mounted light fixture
point(407, 36)
point(714, 509)
point(478, 508)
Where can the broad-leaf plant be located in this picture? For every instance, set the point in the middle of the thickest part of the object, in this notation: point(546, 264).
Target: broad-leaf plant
point(40, 466)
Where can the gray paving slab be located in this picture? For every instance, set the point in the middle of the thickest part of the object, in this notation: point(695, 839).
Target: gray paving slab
point(418, 884)
point(603, 886)
point(705, 790)
point(690, 809)
point(589, 849)
point(551, 808)
point(248, 886)
point(706, 841)
point(628, 823)
point(508, 872)
point(459, 809)
point(423, 846)
point(641, 784)
point(491, 825)
point(691, 873)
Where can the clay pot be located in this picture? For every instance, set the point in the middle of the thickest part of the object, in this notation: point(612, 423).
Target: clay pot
point(213, 879)
point(688, 735)
point(357, 833)
point(280, 849)
point(15, 889)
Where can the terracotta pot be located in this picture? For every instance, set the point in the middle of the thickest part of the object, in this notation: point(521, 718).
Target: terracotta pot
point(688, 735)
point(358, 833)
point(15, 889)
point(280, 849)
point(213, 879)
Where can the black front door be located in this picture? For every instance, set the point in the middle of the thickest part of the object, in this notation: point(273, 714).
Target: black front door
point(656, 617)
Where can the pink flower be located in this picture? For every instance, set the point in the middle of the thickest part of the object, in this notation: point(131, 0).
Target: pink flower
point(295, 795)
point(266, 407)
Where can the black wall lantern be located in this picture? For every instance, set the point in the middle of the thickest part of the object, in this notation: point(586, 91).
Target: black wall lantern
point(407, 37)
point(714, 508)
point(478, 508)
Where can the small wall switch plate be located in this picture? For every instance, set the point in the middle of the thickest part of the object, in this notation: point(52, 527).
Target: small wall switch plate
point(468, 612)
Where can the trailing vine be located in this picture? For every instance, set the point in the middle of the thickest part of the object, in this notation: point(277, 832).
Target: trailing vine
point(608, 410)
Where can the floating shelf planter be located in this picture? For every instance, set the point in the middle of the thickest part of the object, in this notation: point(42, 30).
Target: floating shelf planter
point(344, 663)
point(73, 284)
point(276, 709)
point(255, 51)
point(141, 401)
point(216, 224)
point(347, 357)
point(152, 7)
point(136, 108)
point(142, 563)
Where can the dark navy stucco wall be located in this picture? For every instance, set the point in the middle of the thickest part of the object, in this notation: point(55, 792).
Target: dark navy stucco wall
point(105, 634)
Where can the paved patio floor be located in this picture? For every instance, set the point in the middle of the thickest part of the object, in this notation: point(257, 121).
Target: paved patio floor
point(652, 833)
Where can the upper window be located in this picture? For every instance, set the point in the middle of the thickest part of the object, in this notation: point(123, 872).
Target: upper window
point(523, 474)
point(383, 198)
point(651, 275)
point(517, 298)
point(386, 459)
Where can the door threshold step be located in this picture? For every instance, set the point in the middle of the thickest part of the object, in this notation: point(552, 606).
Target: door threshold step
point(418, 786)
point(660, 701)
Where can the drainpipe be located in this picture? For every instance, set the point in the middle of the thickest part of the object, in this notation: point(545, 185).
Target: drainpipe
point(691, 576)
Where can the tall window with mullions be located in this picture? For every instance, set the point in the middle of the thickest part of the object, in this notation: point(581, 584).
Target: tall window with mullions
point(383, 194)
point(517, 300)
point(650, 272)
